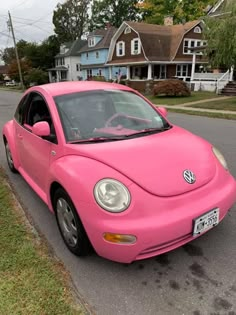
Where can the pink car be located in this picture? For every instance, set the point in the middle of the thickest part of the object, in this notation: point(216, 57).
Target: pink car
point(119, 177)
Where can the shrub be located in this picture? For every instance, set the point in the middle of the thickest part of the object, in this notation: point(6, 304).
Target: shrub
point(171, 88)
point(99, 78)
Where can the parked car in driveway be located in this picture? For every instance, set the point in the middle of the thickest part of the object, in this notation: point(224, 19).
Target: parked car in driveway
point(10, 83)
point(120, 178)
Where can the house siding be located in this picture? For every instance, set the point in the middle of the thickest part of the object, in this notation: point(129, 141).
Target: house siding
point(92, 59)
point(127, 38)
point(180, 56)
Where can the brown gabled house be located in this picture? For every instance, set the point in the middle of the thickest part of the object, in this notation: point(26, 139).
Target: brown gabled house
point(155, 52)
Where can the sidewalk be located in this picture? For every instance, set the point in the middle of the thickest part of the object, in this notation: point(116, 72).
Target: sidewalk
point(187, 106)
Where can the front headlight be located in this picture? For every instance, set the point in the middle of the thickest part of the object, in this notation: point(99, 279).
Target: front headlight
point(112, 195)
point(220, 157)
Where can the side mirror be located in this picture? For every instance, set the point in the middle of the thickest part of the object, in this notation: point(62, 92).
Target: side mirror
point(163, 111)
point(41, 129)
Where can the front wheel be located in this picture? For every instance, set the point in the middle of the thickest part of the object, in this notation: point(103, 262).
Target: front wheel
point(70, 226)
point(9, 158)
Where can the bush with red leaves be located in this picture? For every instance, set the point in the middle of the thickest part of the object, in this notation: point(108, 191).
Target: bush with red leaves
point(171, 88)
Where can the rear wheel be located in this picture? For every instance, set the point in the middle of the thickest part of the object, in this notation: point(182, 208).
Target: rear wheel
point(70, 226)
point(9, 158)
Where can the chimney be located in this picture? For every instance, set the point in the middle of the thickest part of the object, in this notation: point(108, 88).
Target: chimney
point(168, 20)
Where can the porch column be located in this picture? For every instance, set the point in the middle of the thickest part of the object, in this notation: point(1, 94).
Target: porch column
point(231, 74)
point(58, 76)
point(128, 73)
point(193, 66)
point(110, 73)
point(149, 72)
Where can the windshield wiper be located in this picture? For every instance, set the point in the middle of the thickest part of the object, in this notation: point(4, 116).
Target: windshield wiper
point(148, 131)
point(98, 139)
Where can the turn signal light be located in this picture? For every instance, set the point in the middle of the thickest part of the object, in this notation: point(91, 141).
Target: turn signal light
point(119, 238)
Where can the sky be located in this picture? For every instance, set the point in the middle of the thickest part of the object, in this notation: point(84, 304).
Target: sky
point(32, 20)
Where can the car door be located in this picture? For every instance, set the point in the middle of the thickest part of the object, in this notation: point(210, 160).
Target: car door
point(35, 153)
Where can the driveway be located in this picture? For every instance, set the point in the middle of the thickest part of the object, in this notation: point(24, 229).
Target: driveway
point(198, 278)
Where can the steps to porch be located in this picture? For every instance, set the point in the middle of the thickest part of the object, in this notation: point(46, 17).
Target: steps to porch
point(229, 89)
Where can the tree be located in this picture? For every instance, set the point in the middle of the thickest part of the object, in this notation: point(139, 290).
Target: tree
point(181, 10)
point(13, 69)
point(36, 76)
point(70, 19)
point(114, 12)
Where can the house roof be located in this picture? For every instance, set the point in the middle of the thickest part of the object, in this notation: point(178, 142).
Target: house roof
point(73, 48)
point(161, 42)
point(103, 43)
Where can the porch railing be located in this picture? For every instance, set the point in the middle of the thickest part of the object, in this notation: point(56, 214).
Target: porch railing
point(222, 81)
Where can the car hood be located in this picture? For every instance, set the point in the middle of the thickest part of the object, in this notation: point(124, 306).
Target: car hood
point(157, 162)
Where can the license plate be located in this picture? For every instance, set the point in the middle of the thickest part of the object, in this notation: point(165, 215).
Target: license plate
point(206, 221)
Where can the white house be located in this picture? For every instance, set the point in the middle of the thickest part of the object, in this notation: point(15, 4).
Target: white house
point(67, 62)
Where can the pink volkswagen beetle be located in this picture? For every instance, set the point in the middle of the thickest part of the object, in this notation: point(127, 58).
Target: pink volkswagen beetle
point(119, 177)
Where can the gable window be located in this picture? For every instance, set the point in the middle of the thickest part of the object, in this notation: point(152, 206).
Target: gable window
point(192, 43)
point(97, 54)
point(198, 30)
point(91, 41)
point(127, 30)
point(182, 70)
point(120, 49)
point(135, 46)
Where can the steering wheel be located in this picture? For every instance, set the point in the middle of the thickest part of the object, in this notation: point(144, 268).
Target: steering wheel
point(116, 119)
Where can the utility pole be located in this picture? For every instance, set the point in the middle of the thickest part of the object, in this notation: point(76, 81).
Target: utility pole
point(10, 25)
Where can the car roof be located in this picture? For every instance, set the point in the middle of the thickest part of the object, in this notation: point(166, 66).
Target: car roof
point(61, 88)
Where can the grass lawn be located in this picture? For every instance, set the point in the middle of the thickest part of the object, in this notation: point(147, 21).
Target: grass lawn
point(31, 280)
point(178, 100)
point(226, 104)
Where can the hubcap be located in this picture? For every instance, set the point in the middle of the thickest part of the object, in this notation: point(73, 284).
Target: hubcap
point(67, 223)
point(9, 156)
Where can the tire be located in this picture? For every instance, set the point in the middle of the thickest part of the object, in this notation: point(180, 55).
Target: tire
point(9, 158)
point(69, 224)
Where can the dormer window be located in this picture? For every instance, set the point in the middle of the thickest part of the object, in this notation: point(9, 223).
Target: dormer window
point(120, 49)
point(198, 30)
point(127, 30)
point(91, 41)
point(135, 46)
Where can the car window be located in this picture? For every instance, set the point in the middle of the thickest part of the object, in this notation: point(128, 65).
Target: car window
point(32, 109)
point(105, 113)
point(21, 110)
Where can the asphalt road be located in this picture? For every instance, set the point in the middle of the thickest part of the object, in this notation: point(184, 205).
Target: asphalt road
point(198, 278)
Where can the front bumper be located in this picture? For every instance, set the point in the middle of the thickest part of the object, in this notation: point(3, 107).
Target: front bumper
point(160, 224)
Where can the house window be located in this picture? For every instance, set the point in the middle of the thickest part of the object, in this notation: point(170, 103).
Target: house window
point(91, 41)
point(87, 55)
point(135, 46)
point(127, 30)
point(62, 61)
point(97, 54)
point(182, 70)
point(120, 49)
point(198, 30)
point(77, 67)
point(100, 72)
point(192, 43)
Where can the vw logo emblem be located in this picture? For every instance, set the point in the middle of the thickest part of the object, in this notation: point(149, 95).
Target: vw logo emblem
point(189, 177)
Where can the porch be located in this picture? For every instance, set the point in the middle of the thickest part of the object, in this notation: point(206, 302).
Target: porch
point(58, 74)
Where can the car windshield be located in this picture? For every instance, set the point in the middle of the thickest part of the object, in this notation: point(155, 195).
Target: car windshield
point(107, 115)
